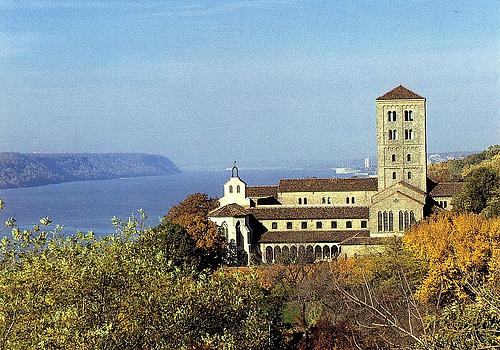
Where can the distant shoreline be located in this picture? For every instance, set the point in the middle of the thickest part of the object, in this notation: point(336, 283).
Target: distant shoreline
point(19, 170)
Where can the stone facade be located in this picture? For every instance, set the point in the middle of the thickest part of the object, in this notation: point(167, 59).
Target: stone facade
point(321, 219)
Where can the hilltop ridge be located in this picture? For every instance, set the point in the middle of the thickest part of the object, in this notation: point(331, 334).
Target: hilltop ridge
point(27, 170)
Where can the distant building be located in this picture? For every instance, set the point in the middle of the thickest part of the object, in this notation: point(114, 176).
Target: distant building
point(324, 218)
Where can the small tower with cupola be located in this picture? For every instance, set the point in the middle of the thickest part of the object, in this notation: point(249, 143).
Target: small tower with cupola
point(401, 139)
point(235, 190)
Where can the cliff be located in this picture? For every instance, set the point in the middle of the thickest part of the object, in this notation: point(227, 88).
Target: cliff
point(24, 170)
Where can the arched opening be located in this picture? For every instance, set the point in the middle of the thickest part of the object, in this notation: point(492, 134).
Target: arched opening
point(407, 220)
point(394, 175)
point(346, 200)
point(269, 254)
point(386, 222)
point(390, 135)
point(329, 200)
point(277, 254)
point(352, 200)
point(348, 224)
point(395, 134)
point(391, 221)
point(285, 252)
point(318, 254)
point(323, 200)
point(230, 188)
point(409, 175)
point(293, 253)
point(334, 252)
point(238, 189)
point(401, 227)
point(302, 253)
point(408, 157)
point(326, 252)
point(412, 217)
point(225, 230)
point(300, 200)
point(305, 200)
point(379, 215)
point(239, 237)
point(309, 254)
point(393, 158)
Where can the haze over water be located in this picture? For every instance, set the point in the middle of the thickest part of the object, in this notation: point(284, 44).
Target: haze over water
point(90, 205)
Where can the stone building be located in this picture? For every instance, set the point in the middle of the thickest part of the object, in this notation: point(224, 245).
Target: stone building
point(320, 219)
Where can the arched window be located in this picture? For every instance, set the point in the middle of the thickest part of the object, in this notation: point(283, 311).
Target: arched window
point(379, 221)
point(230, 188)
point(346, 200)
point(394, 175)
point(329, 200)
point(412, 218)
point(386, 226)
point(323, 200)
point(225, 230)
point(326, 252)
point(305, 200)
point(352, 200)
point(269, 254)
point(410, 116)
point(406, 116)
point(408, 157)
point(390, 135)
point(407, 220)
point(389, 116)
point(395, 134)
point(393, 157)
point(348, 224)
point(364, 224)
point(238, 189)
point(409, 175)
point(393, 116)
point(300, 200)
point(391, 221)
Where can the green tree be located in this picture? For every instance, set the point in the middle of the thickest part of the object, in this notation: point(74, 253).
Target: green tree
point(481, 185)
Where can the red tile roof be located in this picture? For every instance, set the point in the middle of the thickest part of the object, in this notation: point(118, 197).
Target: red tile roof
point(400, 93)
point(328, 185)
point(446, 189)
point(304, 213)
point(262, 191)
point(229, 210)
point(310, 236)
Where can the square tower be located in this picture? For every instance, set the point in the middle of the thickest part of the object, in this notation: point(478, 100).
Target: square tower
point(401, 139)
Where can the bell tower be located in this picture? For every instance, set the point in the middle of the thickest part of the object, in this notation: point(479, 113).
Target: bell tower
point(401, 139)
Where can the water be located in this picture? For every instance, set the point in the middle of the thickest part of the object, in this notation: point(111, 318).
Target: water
point(90, 205)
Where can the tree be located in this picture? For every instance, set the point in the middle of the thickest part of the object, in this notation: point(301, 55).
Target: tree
point(136, 289)
point(481, 184)
point(192, 214)
point(457, 249)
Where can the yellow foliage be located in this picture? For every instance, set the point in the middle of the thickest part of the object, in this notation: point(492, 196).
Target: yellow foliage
point(458, 250)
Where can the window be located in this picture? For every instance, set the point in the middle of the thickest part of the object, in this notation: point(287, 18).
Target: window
point(289, 225)
point(386, 222)
point(408, 134)
point(300, 200)
point(329, 200)
point(394, 175)
point(319, 224)
point(230, 188)
point(408, 116)
point(238, 189)
point(445, 204)
point(363, 224)
point(348, 224)
point(390, 135)
point(391, 221)
point(305, 200)
point(391, 116)
point(395, 134)
point(352, 200)
point(333, 224)
point(303, 225)
point(409, 175)
point(323, 200)
point(346, 200)
point(412, 218)
point(274, 225)
point(400, 220)
point(393, 157)
point(407, 220)
point(379, 217)
point(408, 157)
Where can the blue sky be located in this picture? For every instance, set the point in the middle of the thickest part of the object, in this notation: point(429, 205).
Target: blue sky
point(207, 82)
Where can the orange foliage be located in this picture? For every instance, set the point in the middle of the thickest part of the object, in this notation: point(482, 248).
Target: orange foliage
point(458, 251)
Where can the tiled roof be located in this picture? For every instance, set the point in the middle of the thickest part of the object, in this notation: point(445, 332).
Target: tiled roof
point(400, 93)
point(298, 213)
point(328, 185)
point(411, 187)
point(446, 189)
point(262, 191)
point(310, 236)
point(229, 210)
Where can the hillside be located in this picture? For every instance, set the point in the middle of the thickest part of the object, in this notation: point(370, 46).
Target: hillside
point(24, 170)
